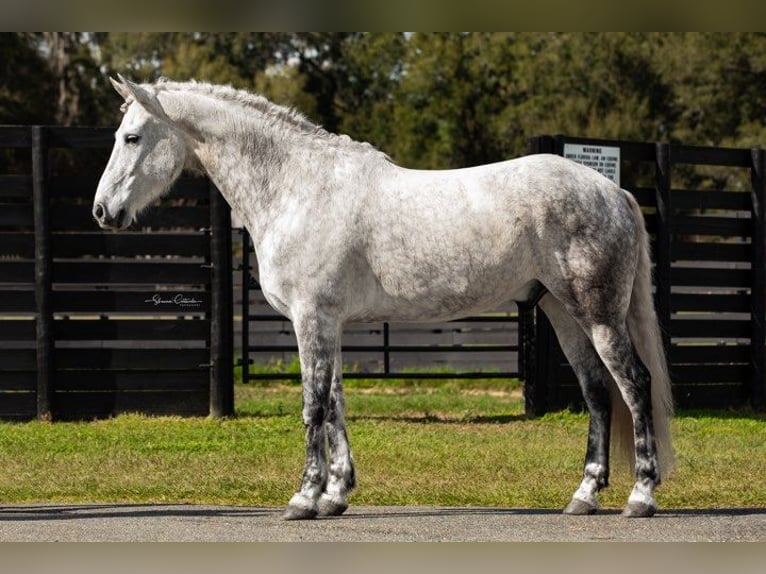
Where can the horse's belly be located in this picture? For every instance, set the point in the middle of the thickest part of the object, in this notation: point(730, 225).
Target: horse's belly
point(420, 295)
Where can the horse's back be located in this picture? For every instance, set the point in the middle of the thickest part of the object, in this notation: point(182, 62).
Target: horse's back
point(450, 241)
point(499, 205)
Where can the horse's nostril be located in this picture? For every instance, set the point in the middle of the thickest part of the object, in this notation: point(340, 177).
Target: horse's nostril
point(98, 212)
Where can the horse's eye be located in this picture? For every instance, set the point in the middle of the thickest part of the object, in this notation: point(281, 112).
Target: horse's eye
point(132, 138)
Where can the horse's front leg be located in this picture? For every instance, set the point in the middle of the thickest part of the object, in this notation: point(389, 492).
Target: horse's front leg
point(318, 341)
point(341, 477)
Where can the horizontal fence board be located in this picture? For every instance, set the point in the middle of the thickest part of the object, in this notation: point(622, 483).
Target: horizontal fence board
point(486, 337)
point(711, 396)
point(16, 216)
point(693, 277)
point(15, 186)
point(17, 360)
point(131, 244)
point(18, 406)
point(16, 300)
point(17, 381)
point(709, 354)
point(685, 199)
point(17, 244)
point(689, 251)
point(92, 405)
point(136, 272)
point(16, 136)
point(100, 380)
point(710, 329)
point(126, 329)
point(80, 137)
point(699, 374)
point(17, 330)
point(731, 303)
point(17, 271)
point(156, 302)
point(81, 186)
point(718, 226)
point(141, 360)
point(695, 155)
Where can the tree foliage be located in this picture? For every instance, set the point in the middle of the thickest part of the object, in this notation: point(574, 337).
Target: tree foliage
point(429, 100)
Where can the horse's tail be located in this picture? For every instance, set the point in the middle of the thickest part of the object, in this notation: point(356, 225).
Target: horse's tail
point(645, 334)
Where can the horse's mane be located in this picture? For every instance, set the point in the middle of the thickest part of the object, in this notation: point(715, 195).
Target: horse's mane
point(285, 116)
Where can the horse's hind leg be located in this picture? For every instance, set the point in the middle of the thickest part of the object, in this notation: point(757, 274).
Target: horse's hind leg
point(594, 381)
point(341, 478)
point(614, 346)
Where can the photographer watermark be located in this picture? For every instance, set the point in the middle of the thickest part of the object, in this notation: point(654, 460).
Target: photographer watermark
point(174, 300)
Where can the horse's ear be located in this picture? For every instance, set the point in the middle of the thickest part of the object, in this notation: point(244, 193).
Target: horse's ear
point(139, 94)
point(121, 89)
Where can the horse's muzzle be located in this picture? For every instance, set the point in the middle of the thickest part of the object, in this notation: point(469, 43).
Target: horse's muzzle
point(108, 221)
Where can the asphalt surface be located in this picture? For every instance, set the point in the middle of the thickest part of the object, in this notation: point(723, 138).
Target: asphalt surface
point(187, 523)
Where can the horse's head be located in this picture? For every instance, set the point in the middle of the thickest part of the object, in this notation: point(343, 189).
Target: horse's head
point(148, 156)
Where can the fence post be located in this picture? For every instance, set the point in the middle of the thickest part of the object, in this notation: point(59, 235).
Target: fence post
point(43, 274)
point(245, 306)
point(221, 308)
point(758, 286)
point(662, 247)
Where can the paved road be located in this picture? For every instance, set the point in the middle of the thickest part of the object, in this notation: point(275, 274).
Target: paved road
point(225, 523)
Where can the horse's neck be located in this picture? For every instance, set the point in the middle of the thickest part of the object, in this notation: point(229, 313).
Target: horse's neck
point(247, 183)
point(248, 168)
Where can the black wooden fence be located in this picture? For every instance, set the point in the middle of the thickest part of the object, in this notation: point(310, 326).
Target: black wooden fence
point(708, 245)
point(97, 323)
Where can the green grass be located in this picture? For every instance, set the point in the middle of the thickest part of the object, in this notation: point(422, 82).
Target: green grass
point(447, 444)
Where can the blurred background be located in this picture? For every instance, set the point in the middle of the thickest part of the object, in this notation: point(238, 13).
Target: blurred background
point(429, 100)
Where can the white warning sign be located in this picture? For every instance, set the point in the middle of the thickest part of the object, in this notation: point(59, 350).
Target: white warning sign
point(604, 159)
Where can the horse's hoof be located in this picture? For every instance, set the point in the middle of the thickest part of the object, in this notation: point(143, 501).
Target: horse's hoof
point(639, 510)
point(579, 507)
point(329, 507)
point(299, 513)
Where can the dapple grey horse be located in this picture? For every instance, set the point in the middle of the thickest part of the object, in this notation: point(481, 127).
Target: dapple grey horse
point(343, 234)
